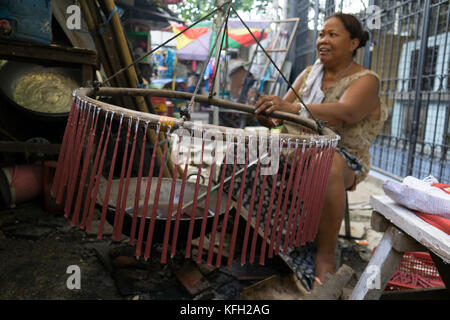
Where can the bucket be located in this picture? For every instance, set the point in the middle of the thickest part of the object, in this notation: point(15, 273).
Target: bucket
point(23, 183)
point(31, 20)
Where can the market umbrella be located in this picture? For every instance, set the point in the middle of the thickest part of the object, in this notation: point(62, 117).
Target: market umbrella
point(195, 43)
point(238, 34)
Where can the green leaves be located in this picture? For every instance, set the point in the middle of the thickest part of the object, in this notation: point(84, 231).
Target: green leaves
point(193, 10)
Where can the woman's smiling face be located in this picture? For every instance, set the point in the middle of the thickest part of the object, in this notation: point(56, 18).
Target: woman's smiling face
point(334, 42)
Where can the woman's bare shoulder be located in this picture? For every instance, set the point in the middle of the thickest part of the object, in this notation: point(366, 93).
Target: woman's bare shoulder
point(359, 70)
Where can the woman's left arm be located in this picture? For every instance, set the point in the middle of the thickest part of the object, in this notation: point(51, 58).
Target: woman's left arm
point(359, 101)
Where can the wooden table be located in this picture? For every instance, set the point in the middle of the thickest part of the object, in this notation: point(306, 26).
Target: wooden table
point(403, 231)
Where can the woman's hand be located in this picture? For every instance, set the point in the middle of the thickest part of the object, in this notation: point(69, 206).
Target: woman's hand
point(268, 121)
point(270, 103)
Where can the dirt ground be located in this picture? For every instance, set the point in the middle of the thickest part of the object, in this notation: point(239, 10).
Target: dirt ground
point(38, 247)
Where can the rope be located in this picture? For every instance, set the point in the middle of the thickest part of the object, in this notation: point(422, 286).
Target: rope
point(102, 29)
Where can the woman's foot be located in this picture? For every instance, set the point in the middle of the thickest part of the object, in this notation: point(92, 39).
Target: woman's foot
point(324, 264)
point(317, 282)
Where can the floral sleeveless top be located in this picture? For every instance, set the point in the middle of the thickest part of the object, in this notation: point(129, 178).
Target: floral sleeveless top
point(357, 137)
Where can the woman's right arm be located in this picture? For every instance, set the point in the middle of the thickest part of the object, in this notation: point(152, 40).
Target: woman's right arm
point(290, 95)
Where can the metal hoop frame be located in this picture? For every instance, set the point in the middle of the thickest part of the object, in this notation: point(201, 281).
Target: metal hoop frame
point(312, 131)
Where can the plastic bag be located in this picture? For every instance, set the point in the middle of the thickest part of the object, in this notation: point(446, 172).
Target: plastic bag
point(419, 195)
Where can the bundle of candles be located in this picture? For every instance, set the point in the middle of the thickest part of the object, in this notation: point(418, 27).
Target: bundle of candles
point(107, 162)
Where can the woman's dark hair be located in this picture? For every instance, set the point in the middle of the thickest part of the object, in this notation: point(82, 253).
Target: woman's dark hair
point(353, 26)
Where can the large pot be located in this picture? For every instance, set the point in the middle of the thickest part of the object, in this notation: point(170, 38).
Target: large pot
point(164, 197)
point(13, 72)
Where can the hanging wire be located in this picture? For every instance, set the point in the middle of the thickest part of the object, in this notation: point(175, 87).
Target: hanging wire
point(186, 113)
point(211, 93)
point(225, 62)
point(320, 123)
point(99, 84)
point(191, 103)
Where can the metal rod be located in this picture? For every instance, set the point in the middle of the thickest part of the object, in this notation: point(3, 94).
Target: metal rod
point(418, 100)
point(216, 187)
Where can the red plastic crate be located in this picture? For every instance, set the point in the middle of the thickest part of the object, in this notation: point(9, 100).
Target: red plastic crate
point(416, 270)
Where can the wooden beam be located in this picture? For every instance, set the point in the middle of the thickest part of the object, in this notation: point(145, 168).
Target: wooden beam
point(87, 75)
point(126, 59)
point(19, 147)
point(401, 242)
point(378, 222)
point(14, 50)
point(378, 272)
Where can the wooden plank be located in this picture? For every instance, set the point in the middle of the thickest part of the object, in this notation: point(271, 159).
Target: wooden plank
point(400, 241)
point(404, 243)
point(244, 214)
point(206, 242)
point(19, 147)
point(14, 50)
point(78, 38)
point(276, 287)
point(333, 286)
point(87, 75)
point(431, 237)
point(378, 272)
point(192, 279)
point(291, 39)
point(378, 222)
point(273, 50)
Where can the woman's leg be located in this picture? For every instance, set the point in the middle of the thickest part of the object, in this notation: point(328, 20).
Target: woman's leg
point(341, 178)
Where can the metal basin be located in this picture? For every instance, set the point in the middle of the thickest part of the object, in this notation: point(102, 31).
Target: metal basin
point(164, 197)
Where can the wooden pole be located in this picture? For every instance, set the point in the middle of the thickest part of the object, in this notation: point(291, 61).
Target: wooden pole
point(106, 35)
point(90, 21)
point(216, 84)
point(132, 78)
